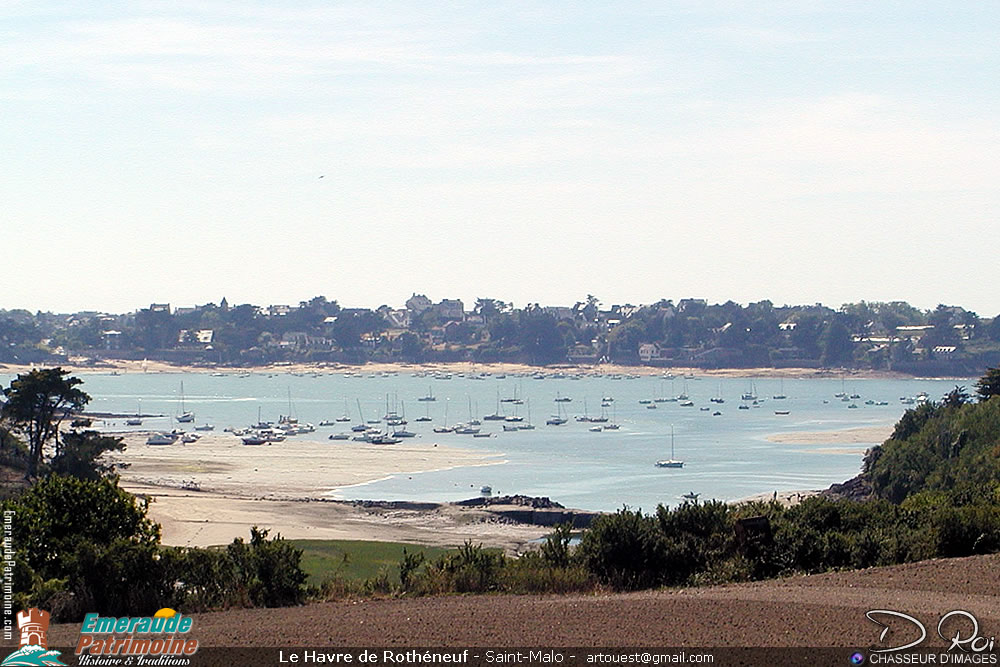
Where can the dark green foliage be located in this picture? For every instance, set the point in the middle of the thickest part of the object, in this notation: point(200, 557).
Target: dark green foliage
point(268, 571)
point(36, 404)
point(94, 538)
point(78, 454)
point(625, 550)
point(470, 569)
point(956, 397)
point(989, 384)
point(912, 421)
point(942, 448)
point(555, 549)
point(964, 531)
point(122, 578)
point(13, 452)
point(539, 337)
point(87, 545)
point(408, 566)
point(58, 512)
point(835, 344)
point(749, 335)
point(694, 535)
point(205, 578)
point(473, 569)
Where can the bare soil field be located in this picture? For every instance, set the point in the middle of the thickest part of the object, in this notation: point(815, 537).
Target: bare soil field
point(808, 611)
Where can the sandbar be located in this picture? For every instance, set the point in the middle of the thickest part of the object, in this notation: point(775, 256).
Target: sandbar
point(849, 436)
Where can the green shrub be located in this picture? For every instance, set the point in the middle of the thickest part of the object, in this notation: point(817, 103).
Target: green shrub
point(555, 549)
point(529, 574)
point(695, 536)
point(205, 578)
point(624, 550)
point(268, 571)
point(408, 566)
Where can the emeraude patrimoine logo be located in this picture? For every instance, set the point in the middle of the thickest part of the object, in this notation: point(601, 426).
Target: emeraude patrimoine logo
point(33, 649)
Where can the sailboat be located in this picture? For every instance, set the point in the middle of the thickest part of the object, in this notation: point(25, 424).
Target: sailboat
point(613, 424)
point(427, 415)
point(360, 427)
point(842, 394)
point(185, 417)
point(671, 462)
point(781, 392)
point(557, 419)
point(496, 416)
point(402, 432)
point(526, 425)
point(444, 428)
point(137, 420)
point(346, 417)
point(661, 398)
point(472, 420)
point(288, 419)
point(429, 397)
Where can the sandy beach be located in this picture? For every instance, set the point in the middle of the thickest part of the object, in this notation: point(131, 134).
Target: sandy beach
point(294, 469)
point(198, 518)
point(214, 490)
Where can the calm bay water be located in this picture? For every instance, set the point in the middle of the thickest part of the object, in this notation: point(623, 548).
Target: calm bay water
point(726, 456)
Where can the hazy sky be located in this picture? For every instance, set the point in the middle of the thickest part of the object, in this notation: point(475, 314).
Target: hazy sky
point(798, 151)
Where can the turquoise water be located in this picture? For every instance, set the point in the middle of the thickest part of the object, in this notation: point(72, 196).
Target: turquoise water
point(726, 456)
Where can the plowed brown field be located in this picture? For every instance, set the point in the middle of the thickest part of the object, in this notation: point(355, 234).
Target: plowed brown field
point(819, 610)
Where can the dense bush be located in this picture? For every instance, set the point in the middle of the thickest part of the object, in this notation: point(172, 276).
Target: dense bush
point(268, 572)
point(474, 569)
point(952, 448)
point(695, 544)
point(625, 550)
point(88, 546)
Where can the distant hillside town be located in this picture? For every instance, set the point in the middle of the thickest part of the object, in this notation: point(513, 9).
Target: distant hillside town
point(893, 336)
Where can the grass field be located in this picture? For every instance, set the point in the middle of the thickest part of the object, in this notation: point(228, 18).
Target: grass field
point(355, 560)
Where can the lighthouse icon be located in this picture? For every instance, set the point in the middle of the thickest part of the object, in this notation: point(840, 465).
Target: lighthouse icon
point(33, 650)
point(34, 626)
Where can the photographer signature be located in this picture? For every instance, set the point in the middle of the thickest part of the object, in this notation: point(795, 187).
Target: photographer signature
point(972, 641)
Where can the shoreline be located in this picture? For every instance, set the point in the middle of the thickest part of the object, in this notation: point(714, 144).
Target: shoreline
point(78, 365)
point(212, 491)
point(298, 468)
point(183, 518)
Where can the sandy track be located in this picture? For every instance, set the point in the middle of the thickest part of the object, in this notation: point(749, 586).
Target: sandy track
point(820, 610)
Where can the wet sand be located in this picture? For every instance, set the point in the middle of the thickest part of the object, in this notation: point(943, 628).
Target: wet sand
point(214, 490)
